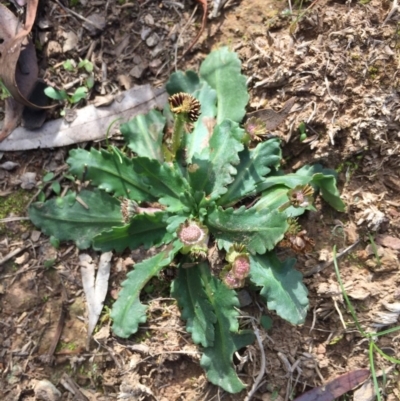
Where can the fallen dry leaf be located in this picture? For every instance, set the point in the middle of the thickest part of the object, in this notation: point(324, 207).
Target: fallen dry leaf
point(336, 387)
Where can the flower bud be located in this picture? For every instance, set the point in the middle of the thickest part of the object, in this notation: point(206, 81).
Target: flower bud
point(194, 237)
point(231, 281)
point(241, 267)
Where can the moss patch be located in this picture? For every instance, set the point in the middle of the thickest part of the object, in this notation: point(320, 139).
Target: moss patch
point(14, 203)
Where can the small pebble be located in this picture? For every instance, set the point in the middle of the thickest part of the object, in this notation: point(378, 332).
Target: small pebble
point(46, 391)
point(152, 40)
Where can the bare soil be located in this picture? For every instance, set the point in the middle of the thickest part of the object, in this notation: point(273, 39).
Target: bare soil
point(340, 60)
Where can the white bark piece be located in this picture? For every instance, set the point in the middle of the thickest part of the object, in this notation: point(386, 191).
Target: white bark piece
point(95, 286)
point(91, 123)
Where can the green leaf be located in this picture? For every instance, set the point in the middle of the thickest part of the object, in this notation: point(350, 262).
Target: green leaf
point(55, 94)
point(69, 65)
point(54, 242)
point(48, 177)
point(212, 170)
point(289, 180)
point(329, 191)
point(56, 187)
point(321, 178)
point(282, 286)
point(144, 134)
point(79, 94)
point(67, 219)
point(198, 139)
point(127, 312)
point(179, 81)
point(259, 231)
point(221, 69)
point(273, 198)
point(139, 179)
point(254, 165)
point(266, 322)
point(217, 359)
point(197, 310)
point(89, 82)
point(112, 172)
point(86, 64)
point(144, 229)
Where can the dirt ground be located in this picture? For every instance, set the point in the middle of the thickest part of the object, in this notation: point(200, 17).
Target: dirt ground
point(340, 60)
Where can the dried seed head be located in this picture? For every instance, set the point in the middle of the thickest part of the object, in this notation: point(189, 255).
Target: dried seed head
point(256, 128)
point(241, 267)
point(231, 281)
point(183, 103)
point(296, 238)
point(129, 208)
point(301, 196)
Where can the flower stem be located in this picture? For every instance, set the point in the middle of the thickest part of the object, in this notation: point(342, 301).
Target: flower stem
point(177, 135)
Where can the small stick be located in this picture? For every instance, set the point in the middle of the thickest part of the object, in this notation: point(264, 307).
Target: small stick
point(320, 267)
point(256, 383)
point(203, 24)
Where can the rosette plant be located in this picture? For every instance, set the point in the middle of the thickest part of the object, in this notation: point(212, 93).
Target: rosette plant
point(192, 179)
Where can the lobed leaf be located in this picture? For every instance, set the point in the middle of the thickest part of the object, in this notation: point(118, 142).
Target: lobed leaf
point(144, 134)
point(254, 165)
point(217, 359)
point(183, 82)
point(127, 312)
point(197, 310)
point(221, 69)
point(324, 179)
point(213, 169)
point(144, 229)
point(282, 286)
point(259, 230)
point(273, 198)
point(139, 179)
point(67, 219)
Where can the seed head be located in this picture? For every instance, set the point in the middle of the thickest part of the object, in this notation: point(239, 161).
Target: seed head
point(129, 208)
point(190, 234)
point(256, 128)
point(241, 267)
point(183, 103)
point(231, 281)
point(301, 196)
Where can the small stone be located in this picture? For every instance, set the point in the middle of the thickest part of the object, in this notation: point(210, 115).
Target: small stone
point(8, 165)
point(98, 24)
point(22, 259)
point(35, 235)
point(137, 59)
point(157, 50)
point(53, 49)
point(28, 180)
point(152, 40)
point(46, 391)
point(144, 34)
point(244, 298)
point(71, 41)
point(137, 71)
point(148, 19)
point(155, 65)
point(125, 81)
